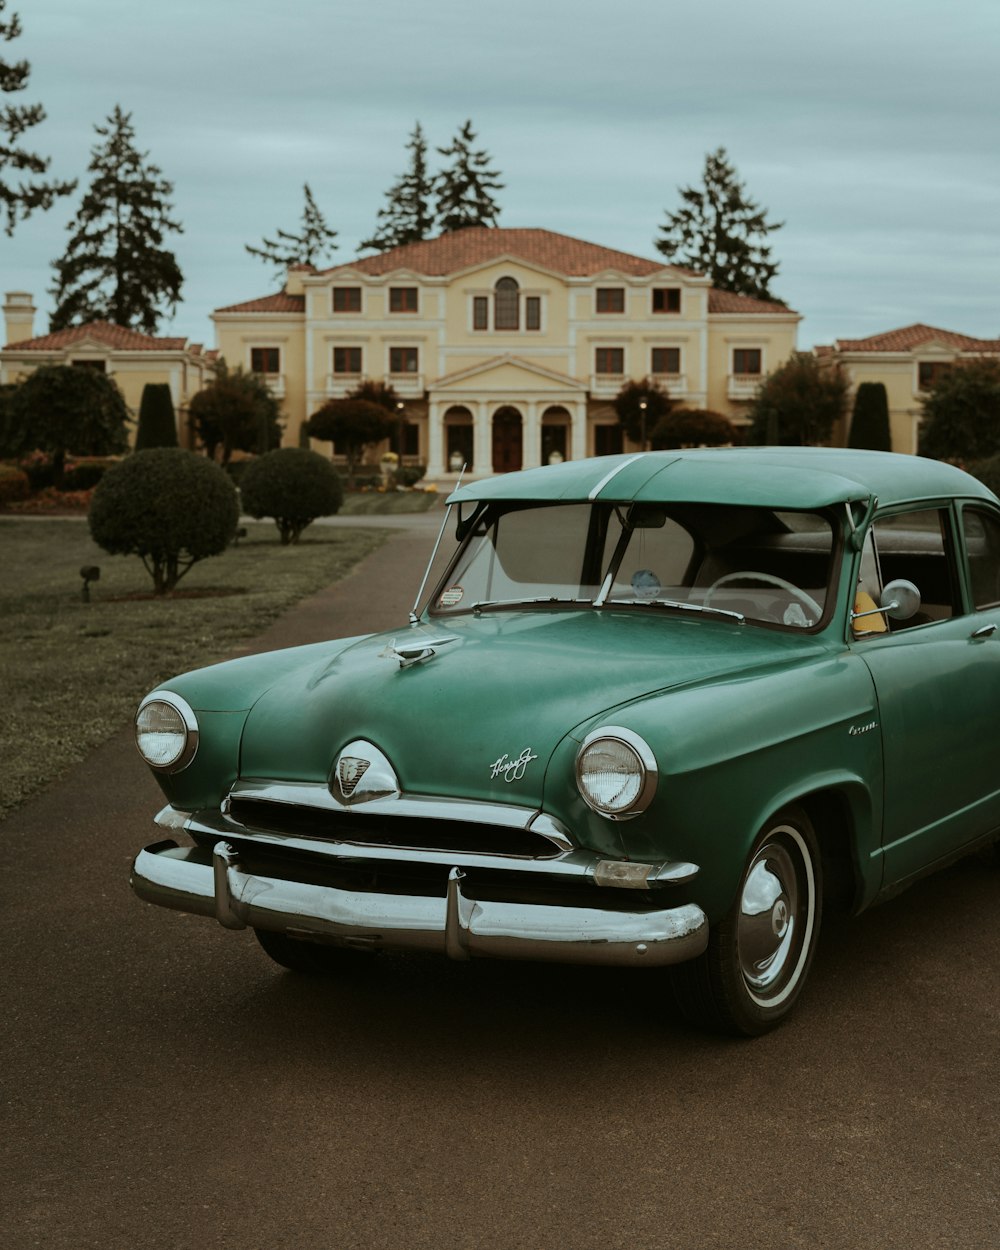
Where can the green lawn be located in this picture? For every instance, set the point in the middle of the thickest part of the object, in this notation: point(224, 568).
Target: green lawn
point(71, 673)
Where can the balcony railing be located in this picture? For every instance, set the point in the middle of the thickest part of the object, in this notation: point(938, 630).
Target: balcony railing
point(674, 384)
point(606, 383)
point(744, 385)
point(275, 383)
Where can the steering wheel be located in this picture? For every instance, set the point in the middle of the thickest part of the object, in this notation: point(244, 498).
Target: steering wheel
point(770, 580)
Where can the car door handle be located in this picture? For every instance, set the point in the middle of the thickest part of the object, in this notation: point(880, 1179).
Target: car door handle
point(984, 631)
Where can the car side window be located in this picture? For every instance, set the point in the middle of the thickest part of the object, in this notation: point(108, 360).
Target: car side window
point(916, 547)
point(982, 546)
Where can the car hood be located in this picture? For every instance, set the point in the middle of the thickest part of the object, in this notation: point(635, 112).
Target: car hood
point(507, 685)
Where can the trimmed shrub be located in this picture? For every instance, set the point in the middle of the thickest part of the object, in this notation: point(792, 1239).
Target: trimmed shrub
point(293, 485)
point(13, 484)
point(693, 427)
point(157, 420)
point(85, 474)
point(410, 474)
point(870, 418)
point(169, 507)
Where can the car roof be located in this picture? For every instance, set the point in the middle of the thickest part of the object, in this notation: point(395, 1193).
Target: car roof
point(775, 477)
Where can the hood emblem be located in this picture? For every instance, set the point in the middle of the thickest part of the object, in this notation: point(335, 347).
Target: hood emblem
point(512, 769)
point(361, 773)
point(350, 770)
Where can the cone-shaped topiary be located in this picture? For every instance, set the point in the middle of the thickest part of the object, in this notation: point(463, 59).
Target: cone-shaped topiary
point(157, 422)
point(293, 485)
point(870, 418)
point(169, 507)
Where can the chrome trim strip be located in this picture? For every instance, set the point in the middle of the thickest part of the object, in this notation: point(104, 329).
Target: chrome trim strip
point(318, 796)
point(186, 713)
point(453, 925)
point(610, 476)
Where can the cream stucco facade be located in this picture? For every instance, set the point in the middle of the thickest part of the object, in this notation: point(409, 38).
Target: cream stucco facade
point(506, 347)
point(906, 362)
point(131, 358)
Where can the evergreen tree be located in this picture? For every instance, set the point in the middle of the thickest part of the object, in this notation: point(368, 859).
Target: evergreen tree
point(464, 187)
point(870, 418)
point(21, 200)
point(309, 247)
point(720, 232)
point(407, 216)
point(115, 267)
point(157, 421)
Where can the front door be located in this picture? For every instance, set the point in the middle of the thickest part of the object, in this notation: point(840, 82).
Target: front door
point(507, 449)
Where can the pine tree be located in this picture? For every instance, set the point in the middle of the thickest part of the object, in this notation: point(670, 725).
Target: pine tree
point(18, 202)
point(721, 232)
point(464, 188)
point(309, 247)
point(407, 216)
point(115, 267)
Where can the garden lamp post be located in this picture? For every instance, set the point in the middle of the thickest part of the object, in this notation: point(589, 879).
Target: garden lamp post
point(642, 418)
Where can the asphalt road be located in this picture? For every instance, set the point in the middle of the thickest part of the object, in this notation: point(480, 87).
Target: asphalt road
point(165, 1085)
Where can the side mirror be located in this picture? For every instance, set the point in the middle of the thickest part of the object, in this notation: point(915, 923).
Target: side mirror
point(900, 600)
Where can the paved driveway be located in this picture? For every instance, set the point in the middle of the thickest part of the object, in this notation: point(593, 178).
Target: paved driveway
point(164, 1085)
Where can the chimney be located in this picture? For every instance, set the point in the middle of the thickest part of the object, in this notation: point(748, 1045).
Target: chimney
point(19, 314)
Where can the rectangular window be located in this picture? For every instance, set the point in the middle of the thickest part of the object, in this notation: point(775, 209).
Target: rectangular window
point(931, 371)
point(610, 299)
point(913, 546)
point(403, 360)
point(609, 360)
point(982, 540)
point(347, 299)
point(480, 312)
point(532, 312)
point(99, 365)
point(265, 360)
point(666, 360)
point(746, 360)
point(402, 299)
point(666, 299)
point(347, 360)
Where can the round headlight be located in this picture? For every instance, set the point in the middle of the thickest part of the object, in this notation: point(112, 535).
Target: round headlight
point(616, 772)
point(166, 732)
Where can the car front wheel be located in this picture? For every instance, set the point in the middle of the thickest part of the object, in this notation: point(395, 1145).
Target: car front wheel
point(758, 957)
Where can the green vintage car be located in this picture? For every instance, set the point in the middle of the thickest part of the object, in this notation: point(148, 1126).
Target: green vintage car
point(659, 710)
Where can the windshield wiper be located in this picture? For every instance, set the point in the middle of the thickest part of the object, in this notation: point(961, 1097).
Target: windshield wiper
point(486, 605)
point(678, 604)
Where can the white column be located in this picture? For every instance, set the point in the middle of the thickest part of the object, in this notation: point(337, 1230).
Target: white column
point(482, 438)
point(531, 436)
point(435, 440)
point(578, 436)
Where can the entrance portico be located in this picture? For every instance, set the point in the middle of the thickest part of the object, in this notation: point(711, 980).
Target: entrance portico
point(510, 413)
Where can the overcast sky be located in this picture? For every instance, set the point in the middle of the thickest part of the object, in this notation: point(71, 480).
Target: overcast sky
point(870, 127)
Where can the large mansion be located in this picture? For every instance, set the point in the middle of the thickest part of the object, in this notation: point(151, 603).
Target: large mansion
point(506, 347)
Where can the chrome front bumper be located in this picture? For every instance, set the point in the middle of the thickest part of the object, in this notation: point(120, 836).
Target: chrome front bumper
point(214, 884)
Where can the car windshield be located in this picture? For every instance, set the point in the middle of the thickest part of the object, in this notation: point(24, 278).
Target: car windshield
point(758, 564)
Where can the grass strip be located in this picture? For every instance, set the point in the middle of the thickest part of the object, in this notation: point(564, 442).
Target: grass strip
point(71, 673)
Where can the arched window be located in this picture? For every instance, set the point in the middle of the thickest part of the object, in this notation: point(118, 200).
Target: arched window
point(506, 302)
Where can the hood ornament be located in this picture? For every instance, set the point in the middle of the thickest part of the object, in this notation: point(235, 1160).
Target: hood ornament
point(415, 652)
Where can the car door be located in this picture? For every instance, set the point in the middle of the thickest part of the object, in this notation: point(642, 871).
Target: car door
point(937, 680)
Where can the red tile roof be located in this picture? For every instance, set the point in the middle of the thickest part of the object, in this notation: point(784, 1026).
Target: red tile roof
point(281, 302)
point(909, 337)
point(461, 249)
point(478, 245)
point(116, 337)
point(730, 302)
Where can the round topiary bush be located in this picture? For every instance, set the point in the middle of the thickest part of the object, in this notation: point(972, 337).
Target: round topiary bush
point(169, 507)
point(293, 485)
point(13, 484)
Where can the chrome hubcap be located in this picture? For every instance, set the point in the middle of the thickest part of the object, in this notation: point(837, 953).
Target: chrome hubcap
point(777, 908)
